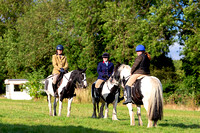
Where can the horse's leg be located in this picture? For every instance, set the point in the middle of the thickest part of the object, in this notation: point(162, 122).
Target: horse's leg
point(140, 123)
point(106, 110)
point(94, 115)
point(69, 106)
point(101, 110)
point(97, 103)
point(155, 123)
point(150, 123)
point(49, 104)
point(146, 106)
point(60, 107)
point(130, 109)
point(114, 115)
point(54, 106)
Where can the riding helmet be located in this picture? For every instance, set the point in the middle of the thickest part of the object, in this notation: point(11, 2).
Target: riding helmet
point(59, 47)
point(105, 55)
point(140, 48)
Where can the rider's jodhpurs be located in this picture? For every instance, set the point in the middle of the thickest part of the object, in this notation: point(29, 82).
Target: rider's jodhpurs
point(98, 83)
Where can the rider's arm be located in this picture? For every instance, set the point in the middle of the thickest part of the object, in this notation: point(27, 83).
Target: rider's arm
point(55, 64)
point(136, 64)
point(66, 64)
point(99, 70)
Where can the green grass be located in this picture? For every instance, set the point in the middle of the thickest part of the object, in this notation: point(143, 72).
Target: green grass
point(33, 116)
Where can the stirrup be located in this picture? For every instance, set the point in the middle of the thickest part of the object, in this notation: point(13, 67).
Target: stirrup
point(127, 101)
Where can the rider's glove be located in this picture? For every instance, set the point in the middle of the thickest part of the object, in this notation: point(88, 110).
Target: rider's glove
point(62, 70)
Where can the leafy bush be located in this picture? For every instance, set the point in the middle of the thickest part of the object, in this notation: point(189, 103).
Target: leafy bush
point(34, 87)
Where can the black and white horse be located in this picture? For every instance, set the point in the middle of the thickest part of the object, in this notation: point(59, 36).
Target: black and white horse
point(66, 89)
point(109, 94)
point(148, 93)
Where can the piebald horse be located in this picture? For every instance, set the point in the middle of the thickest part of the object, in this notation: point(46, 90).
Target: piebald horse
point(109, 94)
point(66, 89)
point(149, 93)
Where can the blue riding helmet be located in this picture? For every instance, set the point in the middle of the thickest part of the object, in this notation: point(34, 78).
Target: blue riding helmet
point(105, 55)
point(59, 47)
point(140, 48)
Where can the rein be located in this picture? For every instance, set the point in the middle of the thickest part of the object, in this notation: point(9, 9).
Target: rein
point(125, 79)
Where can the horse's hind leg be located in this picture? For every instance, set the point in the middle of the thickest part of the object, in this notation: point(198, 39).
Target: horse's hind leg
point(54, 106)
point(132, 119)
point(150, 123)
point(94, 115)
point(155, 123)
point(140, 123)
point(69, 106)
point(49, 104)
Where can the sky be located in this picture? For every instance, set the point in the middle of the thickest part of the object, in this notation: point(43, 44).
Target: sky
point(175, 51)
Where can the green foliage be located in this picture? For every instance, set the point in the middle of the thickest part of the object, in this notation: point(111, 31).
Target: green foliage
point(34, 86)
point(31, 30)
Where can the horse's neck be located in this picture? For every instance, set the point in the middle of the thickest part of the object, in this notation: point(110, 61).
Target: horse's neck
point(108, 85)
point(67, 75)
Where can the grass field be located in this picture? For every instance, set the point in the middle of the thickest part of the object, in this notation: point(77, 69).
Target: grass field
point(32, 117)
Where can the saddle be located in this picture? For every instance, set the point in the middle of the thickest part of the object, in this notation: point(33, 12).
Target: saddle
point(136, 92)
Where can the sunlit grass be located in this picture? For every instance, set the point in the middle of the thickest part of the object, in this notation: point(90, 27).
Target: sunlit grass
point(33, 116)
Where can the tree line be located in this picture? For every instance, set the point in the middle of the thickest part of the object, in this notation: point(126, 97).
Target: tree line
point(30, 30)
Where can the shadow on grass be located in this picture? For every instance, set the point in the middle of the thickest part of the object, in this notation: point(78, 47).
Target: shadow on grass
point(180, 125)
point(17, 128)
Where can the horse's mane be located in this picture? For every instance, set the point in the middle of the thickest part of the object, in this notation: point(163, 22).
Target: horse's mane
point(118, 68)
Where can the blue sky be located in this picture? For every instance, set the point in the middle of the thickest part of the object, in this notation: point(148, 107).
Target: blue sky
point(175, 51)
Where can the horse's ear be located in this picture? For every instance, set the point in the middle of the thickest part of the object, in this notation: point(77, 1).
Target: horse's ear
point(117, 66)
point(79, 69)
point(84, 70)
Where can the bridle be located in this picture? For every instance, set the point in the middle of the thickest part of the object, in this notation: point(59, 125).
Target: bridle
point(125, 79)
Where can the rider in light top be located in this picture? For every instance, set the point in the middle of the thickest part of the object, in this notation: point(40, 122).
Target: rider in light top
point(60, 64)
point(105, 70)
point(139, 68)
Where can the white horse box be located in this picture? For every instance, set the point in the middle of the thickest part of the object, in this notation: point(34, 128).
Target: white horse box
point(14, 92)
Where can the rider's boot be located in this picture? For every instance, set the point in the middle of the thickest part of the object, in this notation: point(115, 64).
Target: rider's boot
point(55, 90)
point(128, 92)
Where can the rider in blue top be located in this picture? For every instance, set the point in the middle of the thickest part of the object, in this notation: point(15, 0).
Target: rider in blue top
point(105, 70)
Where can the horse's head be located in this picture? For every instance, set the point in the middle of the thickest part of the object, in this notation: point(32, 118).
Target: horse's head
point(81, 78)
point(121, 73)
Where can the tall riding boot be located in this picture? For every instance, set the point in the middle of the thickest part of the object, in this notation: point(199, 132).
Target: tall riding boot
point(55, 90)
point(128, 91)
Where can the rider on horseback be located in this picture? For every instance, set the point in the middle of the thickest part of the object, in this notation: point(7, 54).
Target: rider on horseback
point(60, 64)
point(139, 68)
point(105, 70)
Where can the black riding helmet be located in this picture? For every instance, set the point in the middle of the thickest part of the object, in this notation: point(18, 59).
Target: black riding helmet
point(105, 55)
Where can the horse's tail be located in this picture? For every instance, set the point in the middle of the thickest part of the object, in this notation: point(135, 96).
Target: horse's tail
point(155, 108)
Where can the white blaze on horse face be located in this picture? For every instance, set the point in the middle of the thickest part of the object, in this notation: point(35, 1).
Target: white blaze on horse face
point(84, 80)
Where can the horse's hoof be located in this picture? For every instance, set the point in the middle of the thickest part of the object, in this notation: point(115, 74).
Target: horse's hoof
point(115, 119)
point(94, 116)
